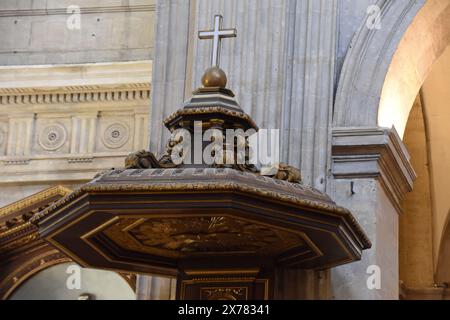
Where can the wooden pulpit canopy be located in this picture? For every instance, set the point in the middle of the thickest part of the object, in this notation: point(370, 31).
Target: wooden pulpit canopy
point(158, 217)
point(159, 221)
point(221, 227)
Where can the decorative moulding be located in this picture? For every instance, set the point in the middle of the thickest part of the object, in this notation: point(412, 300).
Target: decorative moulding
point(373, 153)
point(53, 137)
point(83, 10)
point(59, 95)
point(50, 84)
point(116, 135)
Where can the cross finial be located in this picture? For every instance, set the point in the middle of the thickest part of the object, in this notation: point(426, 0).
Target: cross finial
point(217, 34)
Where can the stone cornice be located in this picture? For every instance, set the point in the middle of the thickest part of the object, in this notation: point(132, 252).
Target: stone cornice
point(73, 94)
point(74, 168)
point(75, 75)
point(79, 83)
point(373, 153)
point(77, 89)
point(83, 10)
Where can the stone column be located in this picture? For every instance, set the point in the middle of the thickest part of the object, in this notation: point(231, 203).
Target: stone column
point(169, 66)
point(371, 174)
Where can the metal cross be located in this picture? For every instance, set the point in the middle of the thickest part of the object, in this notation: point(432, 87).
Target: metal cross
point(217, 35)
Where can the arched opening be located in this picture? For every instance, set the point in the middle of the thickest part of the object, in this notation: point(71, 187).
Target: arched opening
point(419, 49)
point(384, 71)
point(68, 281)
point(400, 79)
point(425, 232)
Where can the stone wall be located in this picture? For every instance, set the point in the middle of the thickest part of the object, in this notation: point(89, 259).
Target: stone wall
point(416, 227)
point(64, 124)
point(46, 31)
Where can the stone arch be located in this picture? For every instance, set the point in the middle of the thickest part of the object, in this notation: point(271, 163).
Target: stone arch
point(33, 266)
point(30, 268)
point(384, 69)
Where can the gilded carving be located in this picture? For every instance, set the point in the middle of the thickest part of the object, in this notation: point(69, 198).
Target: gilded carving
point(199, 234)
point(31, 201)
point(233, 294)
point(147, 160)
point(323, 205)
point(288, 173)
point(210, 110)
point(19, 242)
point(176, 237)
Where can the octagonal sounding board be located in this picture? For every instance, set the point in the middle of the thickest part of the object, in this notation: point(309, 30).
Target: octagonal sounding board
point(161, 221)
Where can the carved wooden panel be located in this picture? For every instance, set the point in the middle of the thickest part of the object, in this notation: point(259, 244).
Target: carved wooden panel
point(177, 237)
